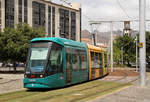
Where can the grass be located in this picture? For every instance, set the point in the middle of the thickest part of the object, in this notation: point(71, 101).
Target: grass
point(77, 93)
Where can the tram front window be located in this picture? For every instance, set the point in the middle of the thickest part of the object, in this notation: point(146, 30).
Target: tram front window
point(38, 55)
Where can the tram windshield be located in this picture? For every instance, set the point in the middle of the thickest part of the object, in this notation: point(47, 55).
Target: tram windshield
point(37, 57)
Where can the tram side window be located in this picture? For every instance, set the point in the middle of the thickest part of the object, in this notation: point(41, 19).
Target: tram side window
point(101, 60)
point(97, 60)
point(105, 58)
point(83, 60)
point(68, 58)
point(92, 60)
point(55, 59)
point(75, 59)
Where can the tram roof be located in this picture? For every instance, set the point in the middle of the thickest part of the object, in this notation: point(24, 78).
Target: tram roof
point(95, 48)
point(61, 41)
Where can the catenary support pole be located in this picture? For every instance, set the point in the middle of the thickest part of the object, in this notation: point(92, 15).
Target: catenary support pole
point(111, 44)
point(136, 54)
point(142, 41)
point(122, 54)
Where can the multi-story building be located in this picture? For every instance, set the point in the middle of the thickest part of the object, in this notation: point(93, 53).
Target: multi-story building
point(57, 20)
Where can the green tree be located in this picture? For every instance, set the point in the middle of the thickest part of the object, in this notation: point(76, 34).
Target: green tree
point(15, 43)
point(148, 47)
point(128, 45)
point(117, 54)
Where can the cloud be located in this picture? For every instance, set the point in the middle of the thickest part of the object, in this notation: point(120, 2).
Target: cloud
point(110, 10)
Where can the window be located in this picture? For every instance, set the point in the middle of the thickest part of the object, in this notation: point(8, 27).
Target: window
point(92, 60)
point(38, 55)
point(68, 58)
point(55, 60)
point(83, 60)
point(75, 59)
point(61, 24)
point(101, 60)
point(64, 23)
point(20, 11)
point(49, 21)
point(97, 60)
point(53, 23)
point(26, 11)
point(38, 14)
point(42, 15)
point(105, 58)
point(9, 13)
point(73, 25)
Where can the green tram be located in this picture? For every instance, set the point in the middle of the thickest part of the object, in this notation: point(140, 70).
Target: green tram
point(57, 62)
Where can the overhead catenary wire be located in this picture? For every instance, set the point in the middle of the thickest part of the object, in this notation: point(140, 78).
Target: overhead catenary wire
point(118, 2)
point(87, 17)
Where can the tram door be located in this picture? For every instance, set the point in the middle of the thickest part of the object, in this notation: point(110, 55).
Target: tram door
point(92, 66)
point(101, 65)
point(105, 63)
point(68, 66)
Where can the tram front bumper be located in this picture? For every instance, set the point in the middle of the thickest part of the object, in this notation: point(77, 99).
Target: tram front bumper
point(35, 86)
point(35, 83)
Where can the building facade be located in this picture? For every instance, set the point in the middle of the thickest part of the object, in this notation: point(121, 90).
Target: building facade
point(57, 20)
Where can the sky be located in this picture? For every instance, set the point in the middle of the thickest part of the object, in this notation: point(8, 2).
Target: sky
point(111, 10)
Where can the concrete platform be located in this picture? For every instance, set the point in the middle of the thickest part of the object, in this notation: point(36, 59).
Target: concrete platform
point(134, 93)
point(11, 82)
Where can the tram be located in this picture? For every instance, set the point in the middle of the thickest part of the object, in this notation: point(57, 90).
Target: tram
point(57, 62)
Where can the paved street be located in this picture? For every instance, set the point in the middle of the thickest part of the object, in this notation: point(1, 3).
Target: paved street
point(10, 82)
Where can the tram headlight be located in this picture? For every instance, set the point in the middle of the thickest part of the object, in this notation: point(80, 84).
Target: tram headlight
point(25, 76)
point(41, 76)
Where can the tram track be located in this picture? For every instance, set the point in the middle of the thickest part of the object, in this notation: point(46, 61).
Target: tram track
point(50, 97)
point(92, 94)
point(62, 94)
point(117, 80)
point(125, 75)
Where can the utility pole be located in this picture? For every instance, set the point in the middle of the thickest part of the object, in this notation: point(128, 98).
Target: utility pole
point(136, 54)
point(111, 42)
point(142, 42)
point(94, 40)
point(93, 33)
point(122, 54)
point(111, 45)
point(111, 38)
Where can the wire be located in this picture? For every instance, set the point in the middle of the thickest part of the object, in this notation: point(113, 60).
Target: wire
point(87, 17)
point(118, 2)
